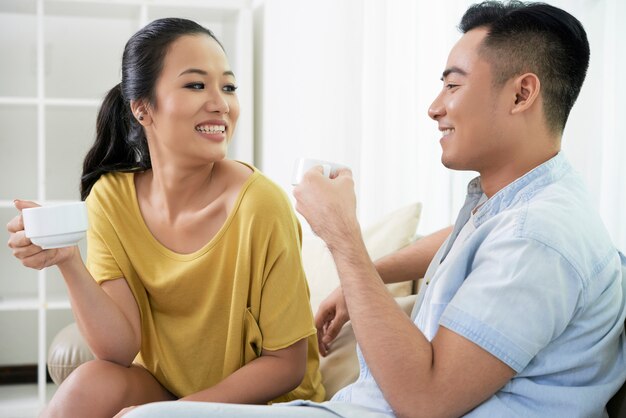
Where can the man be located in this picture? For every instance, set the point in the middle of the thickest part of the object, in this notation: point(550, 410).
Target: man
point(522, 310)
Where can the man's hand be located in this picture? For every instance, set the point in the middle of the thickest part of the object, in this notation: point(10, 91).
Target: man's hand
point(330, 318)
point(328, 205)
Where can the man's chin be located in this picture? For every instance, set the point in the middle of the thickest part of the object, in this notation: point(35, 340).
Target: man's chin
point(449, 162)
point(454, 164)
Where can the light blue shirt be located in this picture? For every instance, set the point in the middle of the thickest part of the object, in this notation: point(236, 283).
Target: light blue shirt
point(537, 283)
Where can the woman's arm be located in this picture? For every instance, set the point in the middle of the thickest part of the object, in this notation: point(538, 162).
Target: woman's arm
point(107, 315)
point(269, 376)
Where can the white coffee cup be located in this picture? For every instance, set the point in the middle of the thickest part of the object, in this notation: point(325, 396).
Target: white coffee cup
point(302, 165)
point(56, 226)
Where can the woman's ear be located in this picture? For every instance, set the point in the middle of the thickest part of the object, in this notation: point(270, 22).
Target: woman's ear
point(140, 112)
point(527, 87)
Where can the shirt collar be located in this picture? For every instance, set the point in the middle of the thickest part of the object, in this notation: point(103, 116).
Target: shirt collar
point(522, 188)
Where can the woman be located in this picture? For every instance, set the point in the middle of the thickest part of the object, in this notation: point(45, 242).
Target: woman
point(193, 287)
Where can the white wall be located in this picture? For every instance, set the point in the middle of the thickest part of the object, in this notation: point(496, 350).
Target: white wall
point(351, 81)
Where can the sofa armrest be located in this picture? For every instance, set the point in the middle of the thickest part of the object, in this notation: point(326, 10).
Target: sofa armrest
point(67, 351)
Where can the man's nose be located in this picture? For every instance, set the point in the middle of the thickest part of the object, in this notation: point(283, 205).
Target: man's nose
point(436, 109)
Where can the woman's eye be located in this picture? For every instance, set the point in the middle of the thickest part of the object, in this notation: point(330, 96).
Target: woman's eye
point(195, 86)
point(229, 88)
point(450, 86)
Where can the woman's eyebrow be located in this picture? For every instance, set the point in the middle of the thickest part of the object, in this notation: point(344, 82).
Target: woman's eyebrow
point(202, 72)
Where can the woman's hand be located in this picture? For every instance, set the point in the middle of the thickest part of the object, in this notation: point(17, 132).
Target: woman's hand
point(330, 318)
point(28, 253)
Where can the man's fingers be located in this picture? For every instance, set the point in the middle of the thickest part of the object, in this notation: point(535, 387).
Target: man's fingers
point(321, 346)
point(321, 331)
point(317, 171)
point(323, 319)
point(333, 329)
point(341, 172)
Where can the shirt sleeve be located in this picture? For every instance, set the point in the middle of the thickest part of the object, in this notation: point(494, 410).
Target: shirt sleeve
point(519, 296)
point(285, 316)
point(100, 260)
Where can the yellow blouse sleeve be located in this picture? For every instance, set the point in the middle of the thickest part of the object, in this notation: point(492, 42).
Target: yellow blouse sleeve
point(285, 315)
point(100, 261)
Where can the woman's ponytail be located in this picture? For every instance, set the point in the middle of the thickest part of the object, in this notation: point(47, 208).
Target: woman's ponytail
point(114, 148)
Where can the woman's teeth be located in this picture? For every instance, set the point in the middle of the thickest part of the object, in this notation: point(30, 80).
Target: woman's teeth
point(211, 129)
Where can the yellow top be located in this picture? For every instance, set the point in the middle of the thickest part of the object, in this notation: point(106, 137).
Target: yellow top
point(206, 314)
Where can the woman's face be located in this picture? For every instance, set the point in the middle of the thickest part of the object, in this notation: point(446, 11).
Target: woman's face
point(196, 107)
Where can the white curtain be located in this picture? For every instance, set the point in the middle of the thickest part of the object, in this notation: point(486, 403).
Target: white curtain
point(351, 81)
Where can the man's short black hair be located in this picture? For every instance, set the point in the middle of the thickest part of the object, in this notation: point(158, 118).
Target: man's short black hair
point(537, 38)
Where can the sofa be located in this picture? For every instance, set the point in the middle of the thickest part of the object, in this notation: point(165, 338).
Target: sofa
point(396, 230)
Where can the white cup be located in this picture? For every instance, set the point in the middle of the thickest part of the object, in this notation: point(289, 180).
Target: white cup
point(56, 226)
point(303, 165)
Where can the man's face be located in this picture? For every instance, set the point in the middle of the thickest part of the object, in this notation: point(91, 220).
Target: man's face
point(471, 113)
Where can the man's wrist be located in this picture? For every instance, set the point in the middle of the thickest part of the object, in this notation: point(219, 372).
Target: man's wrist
point(347, 242)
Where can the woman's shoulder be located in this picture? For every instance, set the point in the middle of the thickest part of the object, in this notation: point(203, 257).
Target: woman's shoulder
point(112, 186)
point(260, 193)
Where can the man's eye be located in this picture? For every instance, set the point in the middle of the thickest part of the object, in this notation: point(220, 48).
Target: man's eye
point(195, 86)
point(229, 88)
point(450, 86)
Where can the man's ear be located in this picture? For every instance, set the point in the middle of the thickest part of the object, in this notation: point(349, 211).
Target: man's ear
point(527, 88)
point(140, 112)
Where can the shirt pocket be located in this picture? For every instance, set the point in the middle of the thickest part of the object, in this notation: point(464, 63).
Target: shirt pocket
point(252, 338)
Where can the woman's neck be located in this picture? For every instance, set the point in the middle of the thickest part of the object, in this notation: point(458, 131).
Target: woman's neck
point(173, 191)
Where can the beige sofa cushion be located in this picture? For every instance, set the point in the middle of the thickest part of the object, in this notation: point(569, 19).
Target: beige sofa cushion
point(67, 351)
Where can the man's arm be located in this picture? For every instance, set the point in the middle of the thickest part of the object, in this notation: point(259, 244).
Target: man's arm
point(446, 377)
point(411, 262)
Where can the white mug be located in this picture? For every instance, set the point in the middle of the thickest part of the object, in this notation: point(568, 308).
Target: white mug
point(56, 226)
point(303, 165)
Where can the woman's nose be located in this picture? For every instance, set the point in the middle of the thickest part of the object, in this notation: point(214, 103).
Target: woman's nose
point(216, 102)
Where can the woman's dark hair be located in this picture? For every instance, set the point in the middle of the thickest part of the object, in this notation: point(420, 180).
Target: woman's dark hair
point(538, 38)
point(121, 143)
